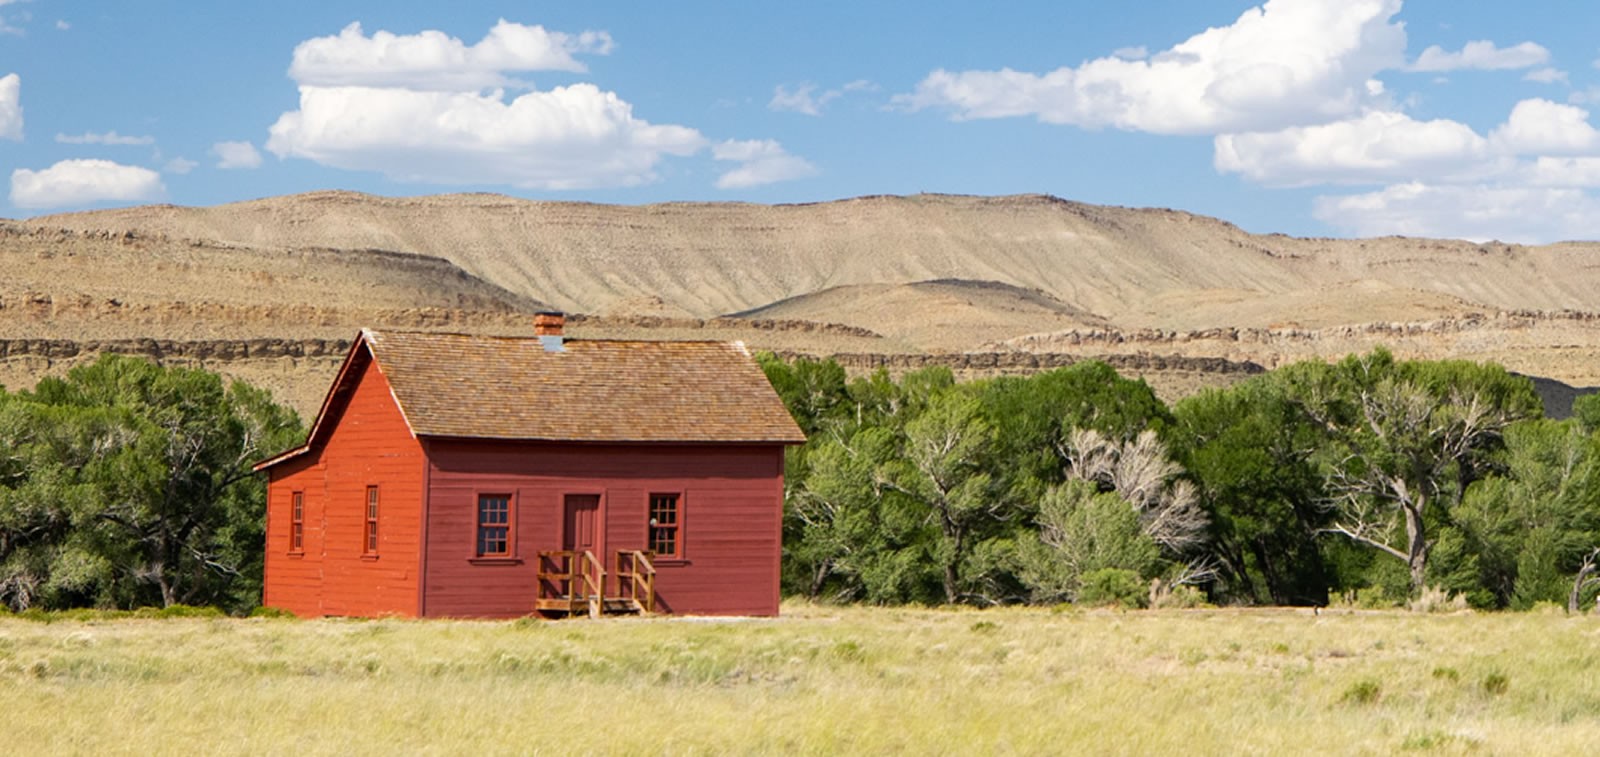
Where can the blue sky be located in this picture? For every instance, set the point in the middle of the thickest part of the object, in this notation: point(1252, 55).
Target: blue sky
point(1307, 117)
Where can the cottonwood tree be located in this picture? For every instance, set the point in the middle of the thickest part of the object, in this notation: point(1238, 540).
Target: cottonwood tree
point(1035, 413)
point(940, 472)
point(1250, 452)
point(850, 531)
point(1588, 577)
point(143, 473)
point(812, 390)
point(1407, 440)
point(1532, 525)
point(1083, 530)
point(852, 540)
point(1142, 473)
point(47, 525)
point(1122, 505)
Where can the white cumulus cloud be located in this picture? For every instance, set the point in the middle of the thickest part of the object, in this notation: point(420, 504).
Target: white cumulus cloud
point(433, 60)
point(428, 108)
point(566, 138)
point(107, 138)
point(761, 161)
point(1291, 94)
point(1549, 171)
point(11, 107)
point(1378, 146)
point(1526, 180)
point(1467, 211)
point(72, 183)
point(1482, 54)
point(179, 165)
point(236, 155)
point(1544, 127)
point(1286, 63)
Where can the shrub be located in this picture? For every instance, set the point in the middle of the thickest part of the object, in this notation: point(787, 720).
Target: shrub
point(1366, 598)
point(1495, 684)
point(178, 611)
point(1112, 587)
point(270, 612)
point(1437, 599)
point(1365, 691)
point(1167, 596)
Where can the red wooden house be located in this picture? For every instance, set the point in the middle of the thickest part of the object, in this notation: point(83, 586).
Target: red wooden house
point(474, 476)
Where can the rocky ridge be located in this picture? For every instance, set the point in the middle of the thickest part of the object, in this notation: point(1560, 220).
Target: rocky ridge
point(268, 288)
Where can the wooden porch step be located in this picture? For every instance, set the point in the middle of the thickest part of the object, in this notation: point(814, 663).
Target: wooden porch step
point(562, 605)
point(609, 606)
point(620, 606)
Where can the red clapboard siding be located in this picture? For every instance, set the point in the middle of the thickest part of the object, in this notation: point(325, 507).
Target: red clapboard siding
point(291, 579)
point(369, 445)
point(731, 513)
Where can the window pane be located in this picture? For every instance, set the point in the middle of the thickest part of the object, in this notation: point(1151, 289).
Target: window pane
point(664, 524)
point(494, 524)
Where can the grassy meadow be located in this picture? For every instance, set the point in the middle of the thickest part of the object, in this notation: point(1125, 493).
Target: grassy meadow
point(818, 679)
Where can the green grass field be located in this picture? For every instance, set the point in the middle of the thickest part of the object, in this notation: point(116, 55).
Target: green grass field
point(819, 679)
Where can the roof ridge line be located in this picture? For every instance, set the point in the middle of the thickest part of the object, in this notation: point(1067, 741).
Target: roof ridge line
point(736, 343)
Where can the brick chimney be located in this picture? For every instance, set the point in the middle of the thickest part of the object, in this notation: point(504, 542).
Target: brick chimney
point(547, 327)
point(549, 323)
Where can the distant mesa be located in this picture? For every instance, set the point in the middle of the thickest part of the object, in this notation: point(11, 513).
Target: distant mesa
point(882, 275)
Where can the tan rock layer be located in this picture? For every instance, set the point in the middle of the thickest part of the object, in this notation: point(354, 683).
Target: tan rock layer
point(171, 349)
point(1014, 362)
point(1505, 320)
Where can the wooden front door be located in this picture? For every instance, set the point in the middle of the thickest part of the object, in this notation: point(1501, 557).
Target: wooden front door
point(581, 524)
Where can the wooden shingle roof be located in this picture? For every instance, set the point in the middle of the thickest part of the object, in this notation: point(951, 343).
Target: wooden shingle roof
point(486, 387)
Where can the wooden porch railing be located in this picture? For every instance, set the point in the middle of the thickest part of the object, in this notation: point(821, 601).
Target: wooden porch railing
point(636, 578)
point(593, 573)
point(575, 578)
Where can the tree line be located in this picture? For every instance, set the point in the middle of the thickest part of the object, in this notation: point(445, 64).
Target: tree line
point(124, 484)
point(1371, 479)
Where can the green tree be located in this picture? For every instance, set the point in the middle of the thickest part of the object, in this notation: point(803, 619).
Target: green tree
point(1035, 413)
point(49, 551)
point(1586, 411)
point(1406, 440)
point(941, 473)
point(813, 390)
point(1248, 448)
point(1083, 530)
point(141, 475)
point(854, 537)
point(1532, 526)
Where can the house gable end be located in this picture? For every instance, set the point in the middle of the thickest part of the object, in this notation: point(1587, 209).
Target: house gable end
point(355, 366)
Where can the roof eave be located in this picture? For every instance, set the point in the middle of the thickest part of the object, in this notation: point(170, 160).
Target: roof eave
point(281, 457)
point(785, 441)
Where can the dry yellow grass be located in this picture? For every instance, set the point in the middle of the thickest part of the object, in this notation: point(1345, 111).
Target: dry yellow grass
point(818, 680)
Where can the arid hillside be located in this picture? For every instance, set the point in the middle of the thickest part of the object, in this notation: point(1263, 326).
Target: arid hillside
point(982, 284)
